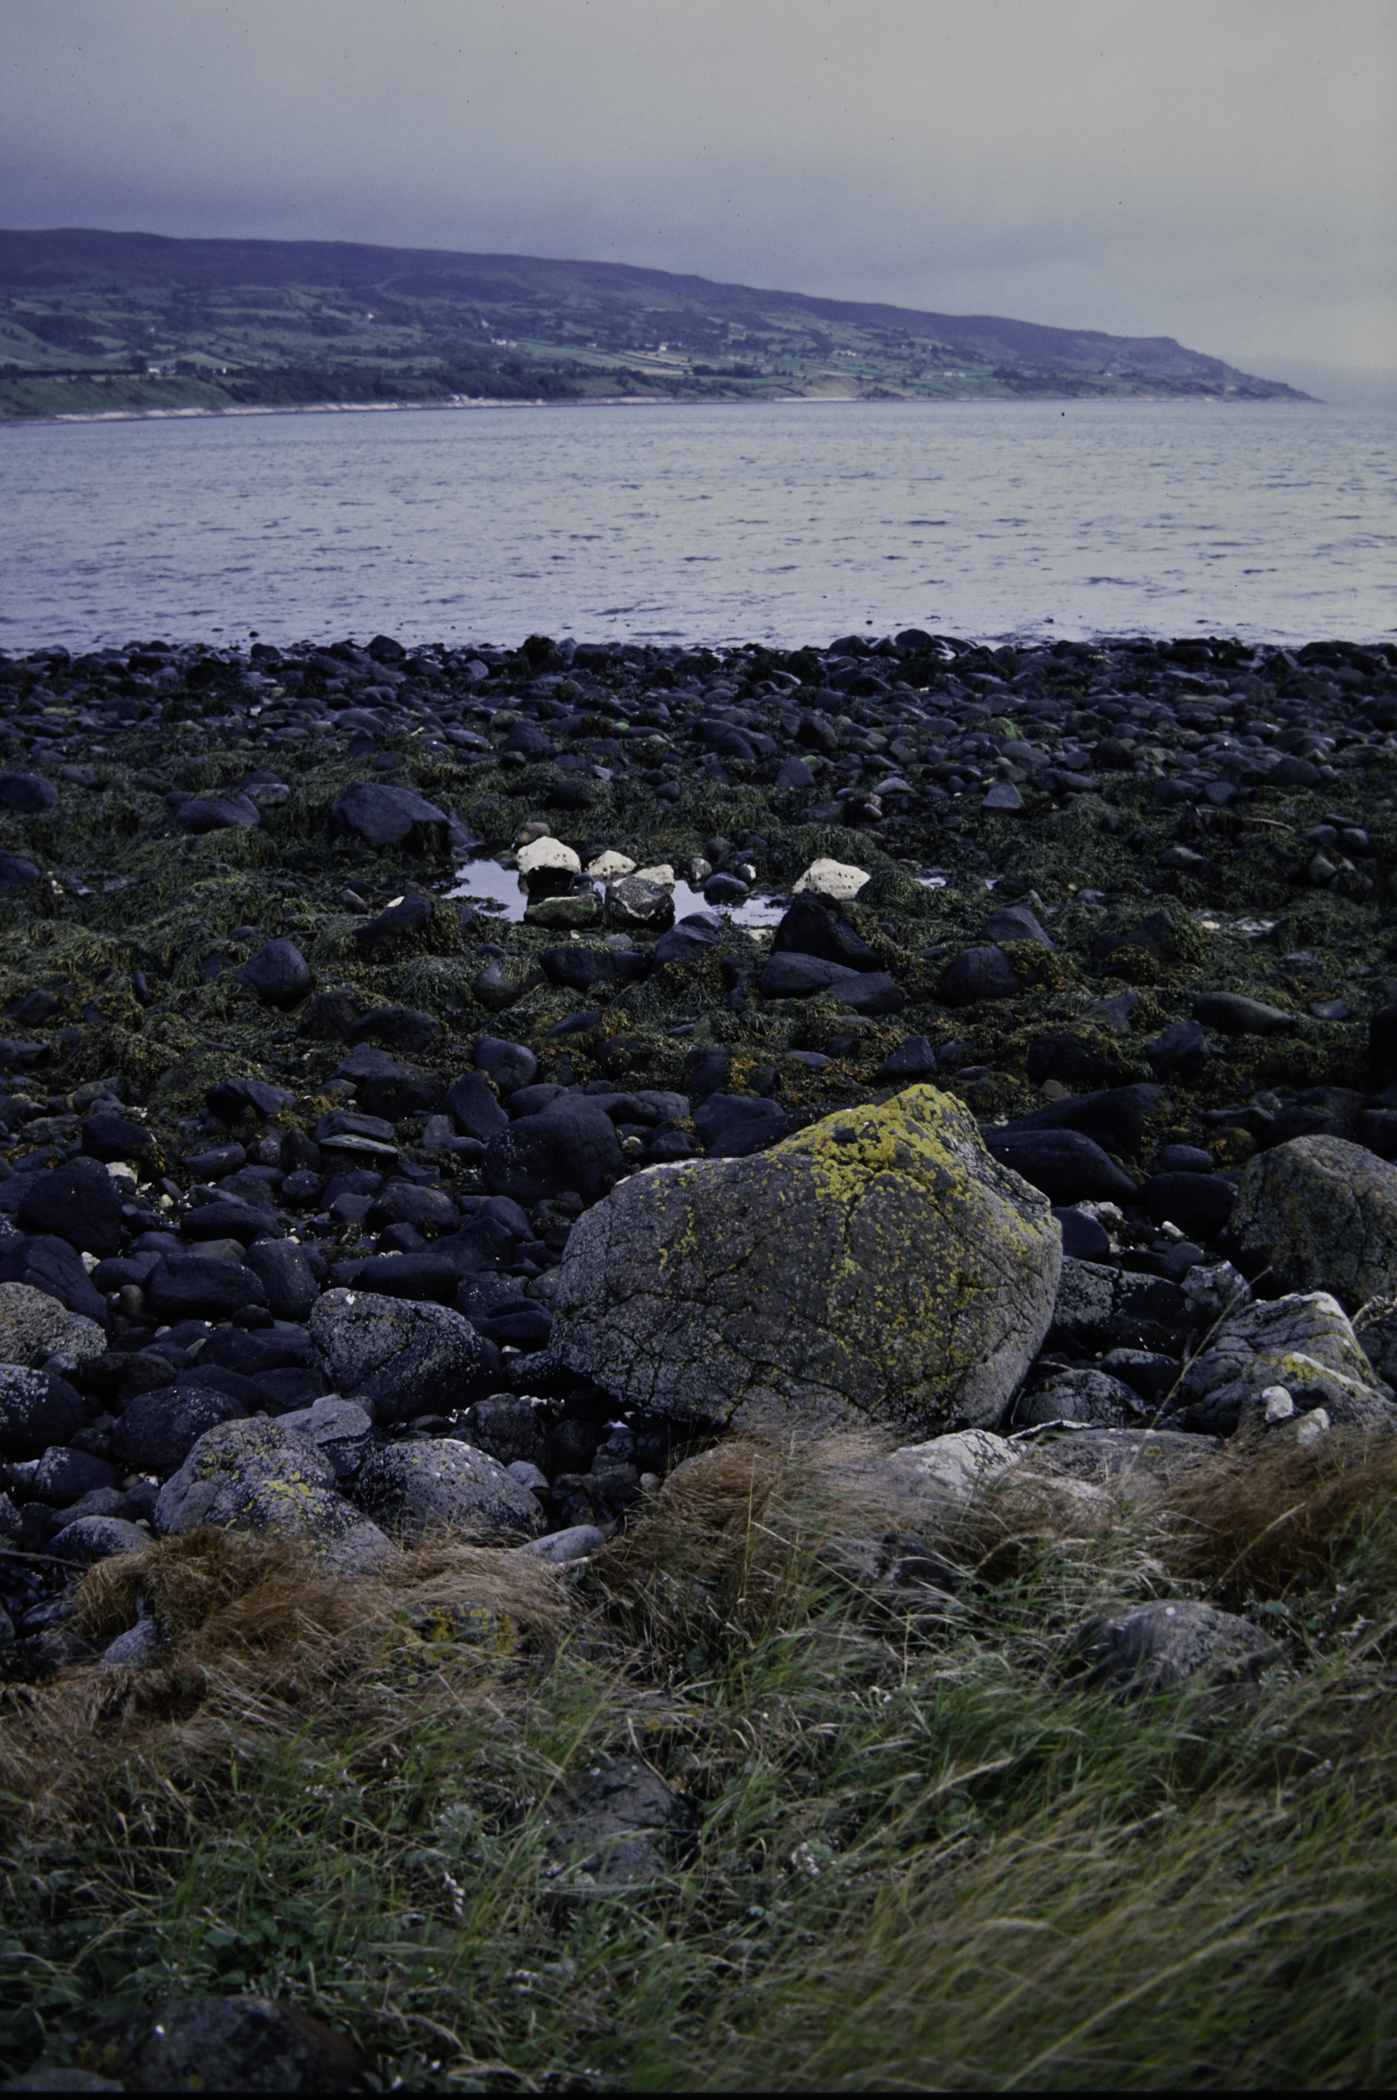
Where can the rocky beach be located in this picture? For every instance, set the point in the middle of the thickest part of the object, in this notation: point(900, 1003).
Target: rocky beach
point(480, 1124)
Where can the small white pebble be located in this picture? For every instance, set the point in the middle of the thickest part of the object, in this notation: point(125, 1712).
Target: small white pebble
point(1276, 1403)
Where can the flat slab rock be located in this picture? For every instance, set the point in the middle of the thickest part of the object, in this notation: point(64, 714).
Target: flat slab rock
point(879, 1265)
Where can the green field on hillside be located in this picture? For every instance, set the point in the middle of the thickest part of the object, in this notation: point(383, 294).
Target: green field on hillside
point(97, 323)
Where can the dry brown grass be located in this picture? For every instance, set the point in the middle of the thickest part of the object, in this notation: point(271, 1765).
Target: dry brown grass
point(734, 1535)
point(1262, 1523)
point(253, 1634)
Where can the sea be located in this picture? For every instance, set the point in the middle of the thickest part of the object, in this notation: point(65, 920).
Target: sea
point(783, 522)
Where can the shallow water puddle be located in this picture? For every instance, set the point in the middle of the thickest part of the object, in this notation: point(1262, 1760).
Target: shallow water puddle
point(499, 890)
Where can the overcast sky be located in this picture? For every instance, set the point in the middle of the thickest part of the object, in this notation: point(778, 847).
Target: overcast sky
point(1223, 171)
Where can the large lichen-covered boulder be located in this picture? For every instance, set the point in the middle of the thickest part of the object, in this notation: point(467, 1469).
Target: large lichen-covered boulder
point(1303, 1342)
point(1320, 1214)
point(259, 1477)
point(879, 1266)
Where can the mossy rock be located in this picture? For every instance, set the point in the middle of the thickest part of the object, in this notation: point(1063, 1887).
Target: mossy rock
point(879, 1267)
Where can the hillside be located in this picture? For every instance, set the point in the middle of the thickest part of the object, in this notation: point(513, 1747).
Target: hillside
point(94, 322)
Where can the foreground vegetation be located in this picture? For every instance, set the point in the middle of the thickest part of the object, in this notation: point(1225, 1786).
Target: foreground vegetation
point(924, 1853)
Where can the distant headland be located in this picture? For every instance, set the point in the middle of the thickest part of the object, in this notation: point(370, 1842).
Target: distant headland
point(98, 323)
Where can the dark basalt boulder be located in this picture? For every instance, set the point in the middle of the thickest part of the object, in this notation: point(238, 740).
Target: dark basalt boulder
point(395, 926)
point(79, 1203)
point(1196, 1203)
point(1066, 1165)
point(195, 1287)
point(52, 1265)
point(232, 1099)
point(27, 794)
point(571, 1146)
point(1114, 1117)
point(382, 816)
point(278, 974)
point(218, 813)
point(985, 972)
point(474, 1107)
point(810, 927)
point(1232, 1014)
point(734, 1126)
point(108, 1136)
point(157, 1430)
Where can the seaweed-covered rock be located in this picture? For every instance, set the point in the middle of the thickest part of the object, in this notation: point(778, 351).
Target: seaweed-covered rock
point(880, 1265)
point(440, 1484)
point(1320, 1214)
point(1303, 1342)
point(260, 1477)
point(382, 815)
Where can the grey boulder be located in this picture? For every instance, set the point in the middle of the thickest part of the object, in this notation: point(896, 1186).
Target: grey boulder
point(437, 1484)
point(37, 1410)
point(1153, 1647)
point(1083, 1396)
point(1304, 1343)
point(34, 1327)
point(397, 1357)
point(88, 1539)
point(609, 1823)
point(1319, 1214)
point(259, 1477)
point(878, 1266)
point(339, 1429)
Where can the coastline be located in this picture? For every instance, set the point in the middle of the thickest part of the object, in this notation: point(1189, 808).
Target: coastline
point(329, 408)
point(363, 1003)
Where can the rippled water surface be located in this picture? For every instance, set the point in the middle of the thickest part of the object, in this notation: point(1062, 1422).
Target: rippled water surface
point(786, 522)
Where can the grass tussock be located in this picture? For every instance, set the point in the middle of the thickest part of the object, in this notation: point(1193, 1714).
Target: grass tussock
point(1272, 1522)
point(922, 1853)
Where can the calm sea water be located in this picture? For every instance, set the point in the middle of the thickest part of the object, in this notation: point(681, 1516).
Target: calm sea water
point(785, 522)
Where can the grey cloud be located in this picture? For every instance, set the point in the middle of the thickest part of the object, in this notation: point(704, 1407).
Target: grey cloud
point(1224, 172)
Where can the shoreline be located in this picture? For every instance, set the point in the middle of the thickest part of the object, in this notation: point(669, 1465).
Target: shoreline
point(328, 408)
